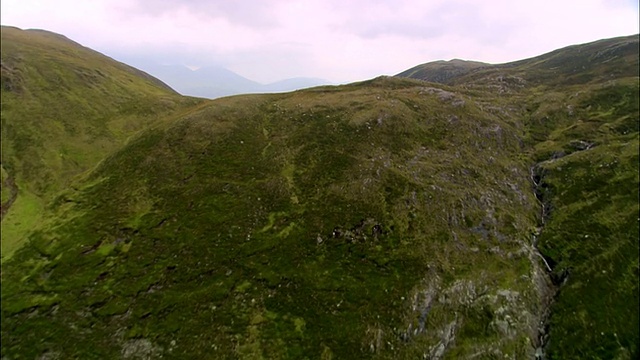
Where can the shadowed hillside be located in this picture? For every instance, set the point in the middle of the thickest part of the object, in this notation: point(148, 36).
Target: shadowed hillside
point(391, 218)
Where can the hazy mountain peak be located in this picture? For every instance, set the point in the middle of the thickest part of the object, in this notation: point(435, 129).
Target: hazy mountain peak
point(217, 81)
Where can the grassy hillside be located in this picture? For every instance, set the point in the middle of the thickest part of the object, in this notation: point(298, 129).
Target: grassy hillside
point(599, 61)
point(582, 121)
point(589, 179)
point(442, 71)
point(371, 220)
point(391, 218)
point(64, 108)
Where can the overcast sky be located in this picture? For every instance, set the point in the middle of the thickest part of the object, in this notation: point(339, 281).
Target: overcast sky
point(337, 40)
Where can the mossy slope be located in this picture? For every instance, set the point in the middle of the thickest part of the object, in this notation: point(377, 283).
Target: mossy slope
point(391, 218)
point(64, 108)
point(590, 179)
point(581, 118)
point(370, 220)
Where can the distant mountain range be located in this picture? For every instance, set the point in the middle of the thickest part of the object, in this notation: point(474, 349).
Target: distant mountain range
point(215, 81)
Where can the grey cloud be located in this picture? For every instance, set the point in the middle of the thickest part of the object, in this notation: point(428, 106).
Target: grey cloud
point(273, 62)
point(257, 13)
point(623, 3)
point(447, 19)
point(178, 55)
point(264, 64)
point(426, 30)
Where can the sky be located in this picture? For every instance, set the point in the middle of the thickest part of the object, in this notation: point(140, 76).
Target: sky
point(337, 40)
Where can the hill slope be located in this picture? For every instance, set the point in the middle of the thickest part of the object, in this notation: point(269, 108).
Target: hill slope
point(441, 71)
point(340, 221)
point(386, 219)
point(582, 121)
point(64, 108)
point(598, 61)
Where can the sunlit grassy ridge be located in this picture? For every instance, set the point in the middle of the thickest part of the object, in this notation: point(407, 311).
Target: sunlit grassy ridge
point(65, 107)
point(386, 219)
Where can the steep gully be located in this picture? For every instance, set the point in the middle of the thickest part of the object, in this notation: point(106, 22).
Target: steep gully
point(542, 194)
point(539, 186)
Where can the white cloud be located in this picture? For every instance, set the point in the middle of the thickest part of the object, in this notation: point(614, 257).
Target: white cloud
point(333, 39)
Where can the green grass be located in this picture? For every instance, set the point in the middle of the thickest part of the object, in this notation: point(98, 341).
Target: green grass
point(65, 108)
point(242, 224)
point(593, 237)
point(592, 234)
point(25, 215)
point(43, 154)
point(6, 191)
point(380, 219)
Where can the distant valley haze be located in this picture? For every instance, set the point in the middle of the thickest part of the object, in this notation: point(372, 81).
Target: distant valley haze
point(216, 81)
